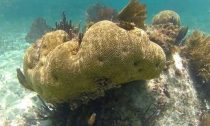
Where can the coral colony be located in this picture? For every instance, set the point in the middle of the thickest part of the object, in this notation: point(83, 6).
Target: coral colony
point(89, 77)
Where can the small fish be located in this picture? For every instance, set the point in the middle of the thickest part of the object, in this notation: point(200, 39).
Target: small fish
point(92, 119)
point(182, 33)
point(165, 91)
point(22, 79)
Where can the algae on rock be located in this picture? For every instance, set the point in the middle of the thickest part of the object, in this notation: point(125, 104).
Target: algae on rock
point(166, 30)
point(198, 52)
point(60, 70)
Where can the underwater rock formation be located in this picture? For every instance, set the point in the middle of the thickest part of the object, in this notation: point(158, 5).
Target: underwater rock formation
point(169, 100)
point(38, 28)
point(60, 70)
point(165, 17)
point(165, 32)
point(197, 50)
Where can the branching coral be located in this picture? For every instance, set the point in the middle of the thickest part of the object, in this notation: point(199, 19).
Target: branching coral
point(198, 52)
point(68, 27)
point(134, 12)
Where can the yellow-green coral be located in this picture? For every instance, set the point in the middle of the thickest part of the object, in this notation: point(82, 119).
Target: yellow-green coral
point(166, 16)
point(64, 71)
point(198, 51)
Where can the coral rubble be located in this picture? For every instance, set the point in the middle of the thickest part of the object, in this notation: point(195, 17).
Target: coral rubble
point(60, 70)
point(38, 28)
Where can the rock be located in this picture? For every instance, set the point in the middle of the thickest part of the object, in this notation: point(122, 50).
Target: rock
point(205, 119)
point(197, 52)
point(38, 28)
point(166, 16)
point(60, 70)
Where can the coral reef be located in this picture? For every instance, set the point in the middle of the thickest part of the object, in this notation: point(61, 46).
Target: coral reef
point(60, 70)
point(100, 12)
point(167, 35)
point(38, 28)
point(165, 32)
point(197, 50)
point(165, 17)
point(166, 100)
point(134, 12)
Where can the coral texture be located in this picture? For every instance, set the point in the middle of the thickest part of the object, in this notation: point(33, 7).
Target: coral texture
point(166, 30)
point(62, 71)
point(38, 28)
point(166, 16)
point(198, 52)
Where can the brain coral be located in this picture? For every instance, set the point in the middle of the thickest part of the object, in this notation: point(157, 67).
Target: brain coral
point(166, 16)
point(60, 70)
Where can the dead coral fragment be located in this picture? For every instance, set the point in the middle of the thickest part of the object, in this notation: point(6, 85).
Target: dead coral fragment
point(134, 12)
point(198, 51)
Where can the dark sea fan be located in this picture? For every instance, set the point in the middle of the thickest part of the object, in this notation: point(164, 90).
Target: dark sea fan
point(134, 12)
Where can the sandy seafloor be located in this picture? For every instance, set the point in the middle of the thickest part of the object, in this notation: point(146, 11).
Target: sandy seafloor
point(16, 103)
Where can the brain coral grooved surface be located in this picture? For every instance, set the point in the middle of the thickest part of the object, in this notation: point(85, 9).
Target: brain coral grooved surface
point(61, 70)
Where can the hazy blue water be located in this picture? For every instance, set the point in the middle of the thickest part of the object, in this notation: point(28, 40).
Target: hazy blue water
point(20, 13)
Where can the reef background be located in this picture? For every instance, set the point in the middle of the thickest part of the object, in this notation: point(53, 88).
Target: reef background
point(16, 17)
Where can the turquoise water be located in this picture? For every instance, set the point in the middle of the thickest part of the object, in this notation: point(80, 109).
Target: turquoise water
point(16, 17)
point(21, 12)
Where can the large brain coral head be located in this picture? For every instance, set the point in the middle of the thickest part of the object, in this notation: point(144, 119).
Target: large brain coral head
point(64, 71)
